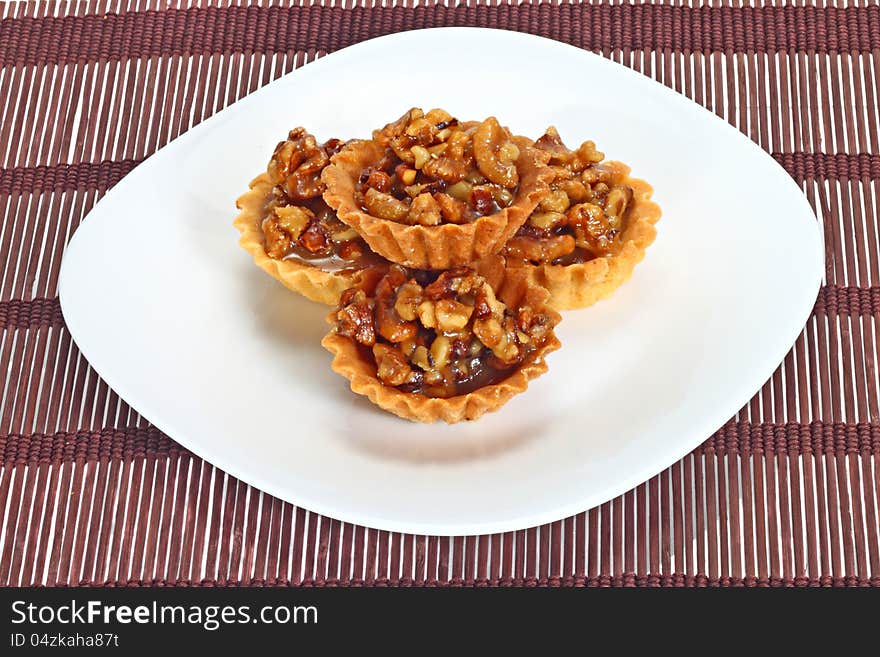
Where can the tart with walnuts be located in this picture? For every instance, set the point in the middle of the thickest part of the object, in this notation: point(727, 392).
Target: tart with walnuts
point(430, 192)
point(449, 346)
point(585, 237)
point(292, 233)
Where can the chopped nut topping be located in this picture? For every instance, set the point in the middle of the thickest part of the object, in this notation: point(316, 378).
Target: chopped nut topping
point(557, 201)
point(355, 317)
point(440, 335)
point(441, 170)
point(297, 164)
point(297, 221)
point(495, 153)
point(452, 210)
point(424, 211)
point(452, 315)
point(583, 215)
point(385, 206)
point(391, 365)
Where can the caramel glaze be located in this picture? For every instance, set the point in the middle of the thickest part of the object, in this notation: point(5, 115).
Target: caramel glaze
point(480, 373)
point(328, 259)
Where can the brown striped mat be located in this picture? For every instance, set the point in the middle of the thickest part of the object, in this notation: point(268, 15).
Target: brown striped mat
point(784, 494)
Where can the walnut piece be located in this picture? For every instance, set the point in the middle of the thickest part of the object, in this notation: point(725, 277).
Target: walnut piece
point(618, 199)
point(452, 315)
point(560, 155)
point(496, 153)
point(424, 211)
point(278, 242)
point(355, 317)
point(592, 230)
point(391, 365)
point(385, 206)
point(557, 201)
point(297, 164)
point(389, 323)
point(453, 210)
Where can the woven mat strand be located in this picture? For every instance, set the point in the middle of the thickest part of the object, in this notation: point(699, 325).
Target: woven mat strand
point(784, 494)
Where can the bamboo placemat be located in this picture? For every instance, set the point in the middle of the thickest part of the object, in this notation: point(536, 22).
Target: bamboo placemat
point(784, 494)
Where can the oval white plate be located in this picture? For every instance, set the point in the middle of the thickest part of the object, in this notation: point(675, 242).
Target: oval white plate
point(176, 318)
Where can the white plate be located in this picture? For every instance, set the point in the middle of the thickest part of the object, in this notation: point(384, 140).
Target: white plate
point(178, 320)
